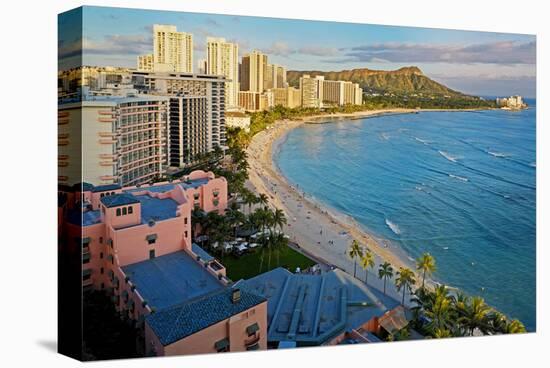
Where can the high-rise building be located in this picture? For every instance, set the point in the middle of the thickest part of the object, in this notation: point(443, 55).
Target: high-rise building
point(286, 97)
point(253, 67)
point(223, 59)
point(249, 101)
point(280, 77)
point(172, 50)
point(342, 93)
point(201, 66)
point(197, 112)
point(312, 91)
point(145, 63)
point(125, 140)
point(274, 76)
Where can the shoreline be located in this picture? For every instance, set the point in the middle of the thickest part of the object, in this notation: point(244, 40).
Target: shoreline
point(319, 223)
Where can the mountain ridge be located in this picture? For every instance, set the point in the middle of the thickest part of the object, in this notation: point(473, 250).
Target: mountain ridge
point(405, 80)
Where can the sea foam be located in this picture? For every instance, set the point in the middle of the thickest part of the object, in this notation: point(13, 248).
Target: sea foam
point(393, 227)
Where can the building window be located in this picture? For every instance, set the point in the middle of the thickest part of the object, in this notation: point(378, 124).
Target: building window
point(130, 210)
point(118, 211)
point(185, 221)
point(101, 195)
point(222, 345)
point(252, 329)
point(100, 240)
point(101, 255)
point(124, 211)
point(101, 270)
point(151, 254)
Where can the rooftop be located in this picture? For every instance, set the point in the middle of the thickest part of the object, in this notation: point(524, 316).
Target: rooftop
point(171, 279)
point(155, 209)
point(161, 188)
point(102, 188)
point(178, 322)
point(311, 309)
point(121, 199)
point(201, 253)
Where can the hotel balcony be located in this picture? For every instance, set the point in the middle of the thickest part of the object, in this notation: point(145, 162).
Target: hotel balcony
point(107, 141)
point(107, 134)
point(106, 120)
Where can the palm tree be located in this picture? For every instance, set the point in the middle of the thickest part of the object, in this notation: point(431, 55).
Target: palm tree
point(367, 261)
point(234, 217)
point(515, 327)
point(475, 316)
point(385, 272)
point(279, 219)
point(263, 199)
point(405, 279)
point(441, 333)
point(355, 251)
point(498, 322)
point(438, 309)
point(425, 264)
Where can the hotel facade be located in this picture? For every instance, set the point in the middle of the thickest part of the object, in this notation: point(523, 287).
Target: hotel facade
point(136, 246)
point(172, 50)
point(223, 59)
point(109, 139)
point(253, 70)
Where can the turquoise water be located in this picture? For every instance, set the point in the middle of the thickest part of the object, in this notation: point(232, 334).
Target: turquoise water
point(460, 185)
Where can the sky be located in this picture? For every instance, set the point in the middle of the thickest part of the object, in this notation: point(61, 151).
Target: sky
point(480, 63)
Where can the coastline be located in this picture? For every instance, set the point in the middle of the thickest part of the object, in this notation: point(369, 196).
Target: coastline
point(319, 231)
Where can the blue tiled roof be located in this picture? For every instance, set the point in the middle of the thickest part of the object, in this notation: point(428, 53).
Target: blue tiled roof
point(169, 186)
point(194, 183)
point(153, 188)
point(171, 279)
point(91, 218)
point(155, 209)
point(201, 253)
point(173, 324)
point(119, 200)
point(102, 188)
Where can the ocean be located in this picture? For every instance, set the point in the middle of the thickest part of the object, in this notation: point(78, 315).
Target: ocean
point(460, 185)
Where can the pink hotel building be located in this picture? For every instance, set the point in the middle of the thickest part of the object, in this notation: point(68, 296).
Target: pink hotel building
point(136, 244)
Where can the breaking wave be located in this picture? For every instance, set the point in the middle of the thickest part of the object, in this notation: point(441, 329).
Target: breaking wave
point(448, 156)
point(393, 227)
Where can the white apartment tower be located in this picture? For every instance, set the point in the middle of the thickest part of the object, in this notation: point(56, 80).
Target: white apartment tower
point(312, 91)
point(223, 59)
point(172, 50)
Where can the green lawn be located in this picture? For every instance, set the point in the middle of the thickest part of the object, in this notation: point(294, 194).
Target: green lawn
point(251, 264)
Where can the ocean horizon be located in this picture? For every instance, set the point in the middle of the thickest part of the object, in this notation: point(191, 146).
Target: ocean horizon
point(459, 185)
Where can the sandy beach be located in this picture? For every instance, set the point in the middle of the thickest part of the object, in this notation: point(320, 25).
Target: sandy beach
point(320, 232)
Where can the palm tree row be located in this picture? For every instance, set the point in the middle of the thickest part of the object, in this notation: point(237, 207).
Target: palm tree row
point(438, 313)
point(405, 277)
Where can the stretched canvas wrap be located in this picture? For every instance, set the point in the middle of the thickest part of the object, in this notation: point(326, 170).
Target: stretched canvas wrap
point(231, 183)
